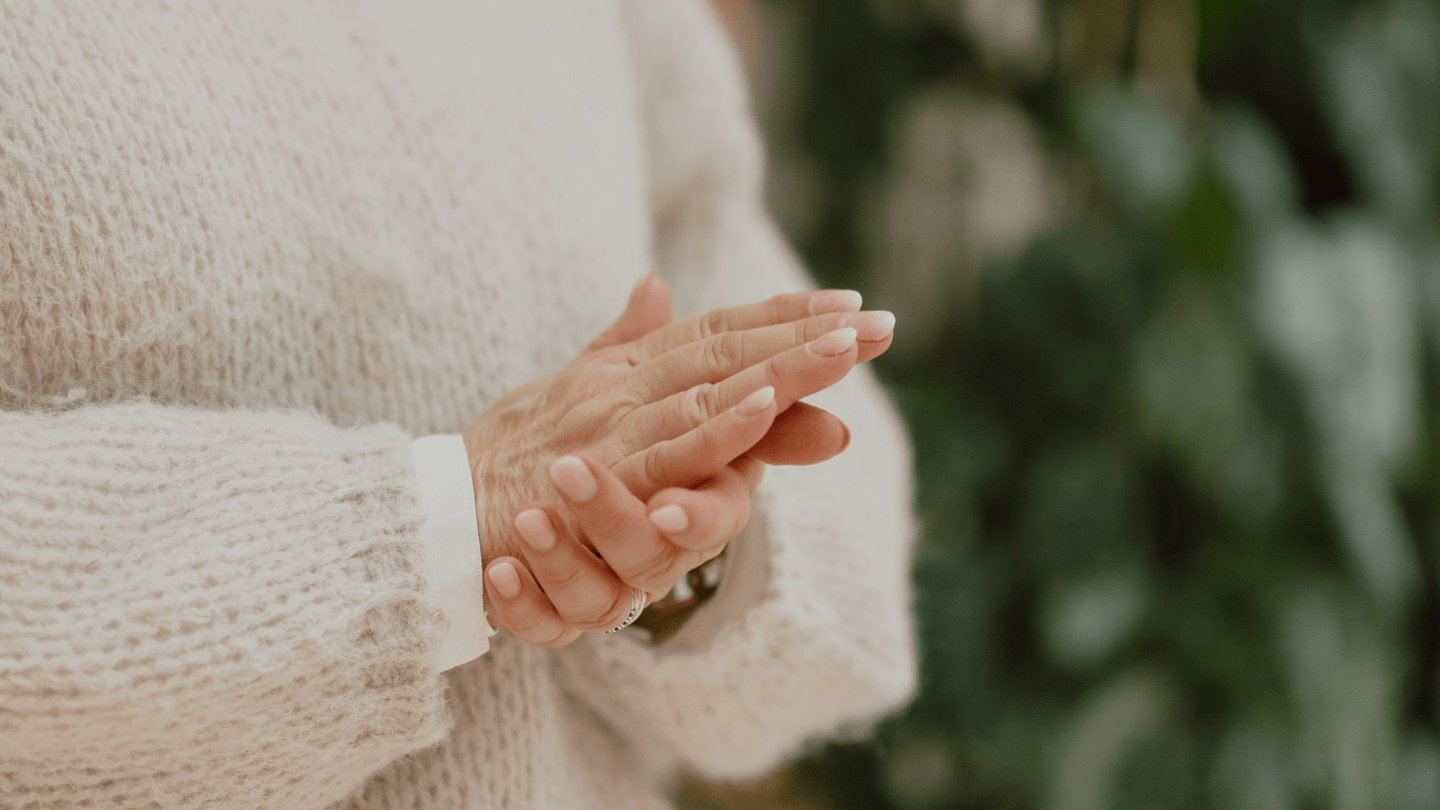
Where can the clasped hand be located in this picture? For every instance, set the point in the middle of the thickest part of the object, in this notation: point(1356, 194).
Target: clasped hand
point(654, 439)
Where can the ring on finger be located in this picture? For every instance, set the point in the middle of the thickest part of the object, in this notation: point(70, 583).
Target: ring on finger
point(638, 598)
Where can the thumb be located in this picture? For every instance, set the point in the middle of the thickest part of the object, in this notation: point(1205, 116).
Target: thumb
point(648, 310)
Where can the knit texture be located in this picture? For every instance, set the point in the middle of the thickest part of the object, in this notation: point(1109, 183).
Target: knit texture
point(248, 252)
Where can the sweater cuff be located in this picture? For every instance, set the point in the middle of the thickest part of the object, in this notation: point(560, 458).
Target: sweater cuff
point(455, 585)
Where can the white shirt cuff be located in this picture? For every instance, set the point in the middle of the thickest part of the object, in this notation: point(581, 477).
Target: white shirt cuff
point(455, 583)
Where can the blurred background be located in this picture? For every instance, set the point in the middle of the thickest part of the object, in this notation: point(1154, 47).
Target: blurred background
point(1167, 275)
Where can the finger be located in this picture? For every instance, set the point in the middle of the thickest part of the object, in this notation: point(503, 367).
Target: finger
point(775, 310)
point(871, 349)
point(522, 608)
point(647, 310)
point(796, 373)
point(615, 522)
point(728, 353)
point(583, 589)
point(802, 434)
point(705, 518)
point(701, 452)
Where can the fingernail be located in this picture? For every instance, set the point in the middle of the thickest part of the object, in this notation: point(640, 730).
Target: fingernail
point(836, 301)
point(832, 343)
point(505, 580)
point(755, 403)
point(534, 527)
point(871, 325)
point(670, 519)
point(845, 444)
point(572, 477)
point(644, 277)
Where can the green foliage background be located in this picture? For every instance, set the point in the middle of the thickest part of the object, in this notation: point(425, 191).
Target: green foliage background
point(1177, 457)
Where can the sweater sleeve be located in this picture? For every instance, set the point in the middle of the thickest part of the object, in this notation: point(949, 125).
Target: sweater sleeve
point(205, 608)
point(828, 640)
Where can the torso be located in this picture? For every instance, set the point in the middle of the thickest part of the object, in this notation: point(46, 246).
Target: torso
point(398, 220)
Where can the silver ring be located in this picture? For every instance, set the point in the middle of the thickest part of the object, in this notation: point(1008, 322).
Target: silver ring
point(638, 598)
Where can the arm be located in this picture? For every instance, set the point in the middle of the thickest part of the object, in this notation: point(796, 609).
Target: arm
point(226, 608)
point(820, 632)
point(205, 607)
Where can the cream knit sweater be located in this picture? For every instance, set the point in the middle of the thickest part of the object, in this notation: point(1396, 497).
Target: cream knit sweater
point(249, 252)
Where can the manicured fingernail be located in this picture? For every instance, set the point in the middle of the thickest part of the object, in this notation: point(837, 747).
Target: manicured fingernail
point(670, 519)
point(570, 475)
point(871, 325)
point(755, 403)
point(505, 580)
point(835, 301)
point(832, 343)
point(534, 526)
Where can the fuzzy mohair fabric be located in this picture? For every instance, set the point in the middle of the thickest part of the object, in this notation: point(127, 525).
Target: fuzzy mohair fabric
point(248, 253)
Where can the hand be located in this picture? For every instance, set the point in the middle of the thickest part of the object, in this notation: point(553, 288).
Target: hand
point(659, 409)
point(802, 433)
point(565, 585)
point(645, 545)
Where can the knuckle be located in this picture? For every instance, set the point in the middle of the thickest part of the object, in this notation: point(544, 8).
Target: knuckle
point(620, 406)
point(528, 625)
point(654, 575)
point(700, 404)
point(602, 614)
point(657, 466)
point(709, 398)
point(714, 322)
point(628, 354)
point(607, 523)
point(692, 407)
point(605, 357)
point(774, 372)
point(775, 307)
point(561, 579)
point(710, 445)
point(723, 351)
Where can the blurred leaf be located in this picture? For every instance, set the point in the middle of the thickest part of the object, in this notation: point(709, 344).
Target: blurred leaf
point(1209, 227)
point(957, 449)
point(1370, 77)
point(1338, 305)
point(1251, 772)
point(1215, 22)
point(1417, 784)
point(1193, 385)
point(1345, 686)
point(1105, 733)
point(1080, 508)
point(1255, 167)
point(1140, 150)
point(1083, 621)
point(1374, 532)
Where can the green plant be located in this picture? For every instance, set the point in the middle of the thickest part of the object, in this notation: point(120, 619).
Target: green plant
point(1177, 458)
